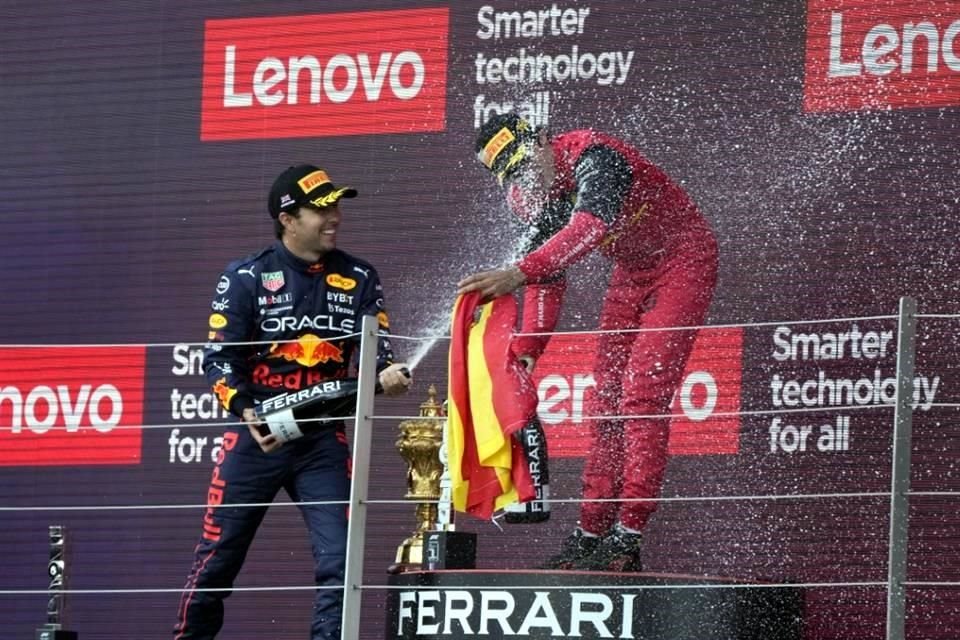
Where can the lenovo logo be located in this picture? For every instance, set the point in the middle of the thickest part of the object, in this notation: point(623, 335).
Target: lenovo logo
point(705, 406)
point(325, 75)
point(277, 81)
point(862, 54)
point(44, 407)
point(71, 406)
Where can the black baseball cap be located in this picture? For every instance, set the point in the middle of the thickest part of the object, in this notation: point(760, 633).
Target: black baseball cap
point(503, 143)
point(302, 185)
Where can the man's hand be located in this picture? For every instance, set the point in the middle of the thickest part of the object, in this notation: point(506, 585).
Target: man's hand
point(267, 443)
point(395, 379)
point(492, 284)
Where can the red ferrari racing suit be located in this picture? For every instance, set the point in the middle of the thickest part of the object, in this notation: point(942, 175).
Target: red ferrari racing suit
point(607, 196)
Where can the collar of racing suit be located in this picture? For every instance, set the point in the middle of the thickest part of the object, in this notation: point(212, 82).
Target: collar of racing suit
point(300, 264)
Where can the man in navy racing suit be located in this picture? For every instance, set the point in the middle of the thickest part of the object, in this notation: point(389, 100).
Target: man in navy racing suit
point(284, 319)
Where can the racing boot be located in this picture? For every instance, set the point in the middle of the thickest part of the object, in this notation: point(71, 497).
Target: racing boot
point(617, 551)
point(575, 548)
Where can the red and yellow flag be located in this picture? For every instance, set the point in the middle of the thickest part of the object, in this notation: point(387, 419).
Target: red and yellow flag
point(490, 398)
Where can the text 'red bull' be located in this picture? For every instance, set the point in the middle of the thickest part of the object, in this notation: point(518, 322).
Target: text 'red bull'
point(211, 530)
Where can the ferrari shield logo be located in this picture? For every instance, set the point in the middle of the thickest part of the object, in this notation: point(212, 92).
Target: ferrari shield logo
point(272, 280)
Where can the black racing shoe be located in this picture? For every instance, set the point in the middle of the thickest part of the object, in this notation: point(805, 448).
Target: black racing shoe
point(617, 551)
point(575, 548)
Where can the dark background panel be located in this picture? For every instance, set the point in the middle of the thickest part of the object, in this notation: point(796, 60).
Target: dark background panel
point(115, 221)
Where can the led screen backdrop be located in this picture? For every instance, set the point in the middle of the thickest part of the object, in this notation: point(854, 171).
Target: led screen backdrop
point(139, 142)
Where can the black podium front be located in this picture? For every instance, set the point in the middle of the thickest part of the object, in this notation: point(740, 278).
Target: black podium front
point(572, 604)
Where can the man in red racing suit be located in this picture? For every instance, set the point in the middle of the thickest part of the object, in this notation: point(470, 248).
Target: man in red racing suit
point(586, 191)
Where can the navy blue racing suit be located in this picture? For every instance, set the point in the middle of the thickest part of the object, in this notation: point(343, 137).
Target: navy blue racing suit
point(306, 319)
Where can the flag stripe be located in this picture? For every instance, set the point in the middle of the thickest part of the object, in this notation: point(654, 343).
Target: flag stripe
point(490, 398)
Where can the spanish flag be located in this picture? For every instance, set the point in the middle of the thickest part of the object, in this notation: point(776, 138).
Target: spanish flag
point(490, 398)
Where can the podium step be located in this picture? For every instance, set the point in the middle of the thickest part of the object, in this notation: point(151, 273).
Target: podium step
point(426, 605)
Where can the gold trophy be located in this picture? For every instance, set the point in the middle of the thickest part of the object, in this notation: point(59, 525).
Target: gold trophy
point(419, 445)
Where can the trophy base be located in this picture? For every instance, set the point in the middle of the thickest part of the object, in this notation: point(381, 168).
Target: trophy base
point(450, 550)
point(55, 634)
point(403, 567)
point(410, 550)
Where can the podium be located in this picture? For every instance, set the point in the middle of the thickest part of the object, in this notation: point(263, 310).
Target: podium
point(428, 605)
point(455, 600)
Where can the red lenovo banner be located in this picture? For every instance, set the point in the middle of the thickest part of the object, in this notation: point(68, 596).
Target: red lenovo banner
point(705, 406)
point(869, 54)
point(325, 75)
point(71, 406)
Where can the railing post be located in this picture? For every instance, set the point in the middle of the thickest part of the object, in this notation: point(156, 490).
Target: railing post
point(356, 530)
point(900, 473)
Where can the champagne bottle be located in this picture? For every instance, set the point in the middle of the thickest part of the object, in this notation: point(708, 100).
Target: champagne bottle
point(287, 416)
point(534, 444)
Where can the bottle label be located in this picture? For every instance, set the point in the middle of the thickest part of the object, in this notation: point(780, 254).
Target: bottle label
point(535, 450)
point(283, 425)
